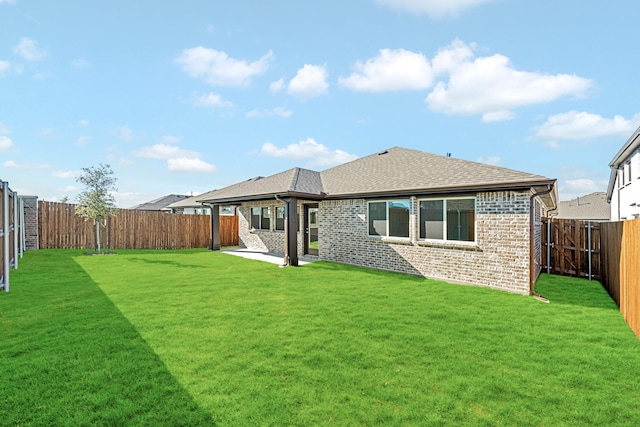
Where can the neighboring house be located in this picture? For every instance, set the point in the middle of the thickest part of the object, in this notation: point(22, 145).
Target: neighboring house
point(159, 203)
point(623, 192)
point(191, 206)
point(592, 207)
point(401, 210)
point(188, 206)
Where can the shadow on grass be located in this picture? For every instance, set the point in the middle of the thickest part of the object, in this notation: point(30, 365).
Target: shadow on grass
point(172, 263)
point(574, 291)
point(71, 358)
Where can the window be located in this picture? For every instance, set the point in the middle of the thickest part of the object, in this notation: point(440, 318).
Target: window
point(389, 218)
point(280, 218)
point(260, 218)
point(447, 219)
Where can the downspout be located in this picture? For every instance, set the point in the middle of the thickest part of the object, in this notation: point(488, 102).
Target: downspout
point(532, 242)
point(286, 260)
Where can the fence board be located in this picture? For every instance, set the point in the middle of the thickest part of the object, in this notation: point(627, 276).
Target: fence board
point(621, 272)
point(571, 247)
point(60, 228)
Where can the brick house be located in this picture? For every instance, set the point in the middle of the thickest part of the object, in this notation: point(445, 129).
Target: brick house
point(401, 210)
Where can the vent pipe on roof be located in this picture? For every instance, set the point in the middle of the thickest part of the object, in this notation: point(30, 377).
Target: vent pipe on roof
point(383, 152)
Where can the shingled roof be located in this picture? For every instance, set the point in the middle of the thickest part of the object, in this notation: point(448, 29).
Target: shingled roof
point(393, 171)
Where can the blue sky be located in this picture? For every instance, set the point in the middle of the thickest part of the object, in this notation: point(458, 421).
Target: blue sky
point(185, 97)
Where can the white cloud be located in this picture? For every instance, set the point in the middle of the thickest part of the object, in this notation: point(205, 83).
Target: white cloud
point(7, 1)
point(492, 87)
point(82, 140)
point(218, 69)
point(433, 8)
point(575, 125)
point(491, 160)
point(4, 129)
point(275, 112)
point(71, 174)
point(277, 86)
point(5, 143)
point(391, 70)
point(12, 164)
point(164, 151)
point(28, 49)
point(572, 188)
point(308, 149)
point(210, 100)
point(123, 132)
point(184, 164)
point(310, 81)
point(170, 139)
point(80, 63)
point(4, 66)
point(84, 123)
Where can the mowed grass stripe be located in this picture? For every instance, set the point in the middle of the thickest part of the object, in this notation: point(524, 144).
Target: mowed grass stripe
point(329, 343)
point(322, 344)
point(69, 358)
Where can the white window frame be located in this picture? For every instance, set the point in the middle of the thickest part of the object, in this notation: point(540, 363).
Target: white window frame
point(444, 220)
point(388, 236)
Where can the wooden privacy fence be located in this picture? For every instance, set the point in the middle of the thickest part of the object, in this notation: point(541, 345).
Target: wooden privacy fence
point(571, 247)
point(621, 268)
point(60, 228)
point(11, 232)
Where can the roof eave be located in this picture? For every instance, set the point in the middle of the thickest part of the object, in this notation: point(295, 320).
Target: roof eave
point(632, 144)
point(498, 186)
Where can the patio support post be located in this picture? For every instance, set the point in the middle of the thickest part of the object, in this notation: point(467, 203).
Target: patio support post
point(291, 230)
point(215, 227)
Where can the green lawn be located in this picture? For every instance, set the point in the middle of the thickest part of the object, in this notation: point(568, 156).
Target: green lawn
point(202, 338)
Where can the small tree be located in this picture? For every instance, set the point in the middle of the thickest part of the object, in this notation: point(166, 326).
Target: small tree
point(96, 202)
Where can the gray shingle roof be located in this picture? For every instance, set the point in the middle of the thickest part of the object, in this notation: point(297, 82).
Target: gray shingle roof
point(160, 202)
point(590, 207)
point(292, 181)
point(404, 170)
point(396, 170)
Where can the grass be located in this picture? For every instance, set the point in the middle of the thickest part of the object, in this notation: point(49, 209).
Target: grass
point(201, 338)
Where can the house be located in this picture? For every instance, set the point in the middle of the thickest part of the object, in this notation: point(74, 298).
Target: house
point(188, 206)
point(623, 192)
point(191, 206)
point(159, 203)
point(401, 210)
point(591, 207)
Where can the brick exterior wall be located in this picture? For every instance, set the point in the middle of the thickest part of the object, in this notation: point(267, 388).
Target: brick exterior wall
point(499, 258)
point(32, 241)
point(271, 241)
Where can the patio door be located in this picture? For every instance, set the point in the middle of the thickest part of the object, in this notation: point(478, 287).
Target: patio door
point(311, 229)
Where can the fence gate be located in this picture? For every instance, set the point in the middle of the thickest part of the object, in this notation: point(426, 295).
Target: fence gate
point(11, 232)
point(571, 248)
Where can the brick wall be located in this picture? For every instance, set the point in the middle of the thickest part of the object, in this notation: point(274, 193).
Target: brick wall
point(499, 258)
point(31, 222)
point(271, 241)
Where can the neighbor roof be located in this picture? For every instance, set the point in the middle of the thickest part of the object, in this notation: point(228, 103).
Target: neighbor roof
point(160, 203)
point(393, 171)
point(589, 207)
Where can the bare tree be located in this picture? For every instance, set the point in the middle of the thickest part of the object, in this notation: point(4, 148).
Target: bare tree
point(96, 202)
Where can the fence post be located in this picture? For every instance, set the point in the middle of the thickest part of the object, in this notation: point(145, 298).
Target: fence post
point(5, 238)
point(589, 246)
point(548, 245)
